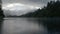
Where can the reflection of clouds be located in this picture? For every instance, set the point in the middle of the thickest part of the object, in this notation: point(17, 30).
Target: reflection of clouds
point(22, 25)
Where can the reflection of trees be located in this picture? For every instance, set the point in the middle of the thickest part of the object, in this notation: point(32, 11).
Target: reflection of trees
point(1, 23)
point(52, 24)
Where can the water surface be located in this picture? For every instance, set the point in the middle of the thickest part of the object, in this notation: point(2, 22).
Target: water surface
point(28, 26)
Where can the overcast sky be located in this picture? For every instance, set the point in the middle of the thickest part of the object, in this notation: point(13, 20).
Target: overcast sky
point(15, 5)
point(27, 2)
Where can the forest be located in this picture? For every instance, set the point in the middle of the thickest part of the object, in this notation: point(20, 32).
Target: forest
point(51, 10)
point(1, 13)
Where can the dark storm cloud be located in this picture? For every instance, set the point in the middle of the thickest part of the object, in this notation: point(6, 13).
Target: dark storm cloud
point(41, 1)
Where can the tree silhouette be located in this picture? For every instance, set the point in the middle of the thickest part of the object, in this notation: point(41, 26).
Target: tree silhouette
point(1, 11)
point(53, 8)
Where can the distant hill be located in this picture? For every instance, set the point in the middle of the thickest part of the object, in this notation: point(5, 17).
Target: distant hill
point(51, 10)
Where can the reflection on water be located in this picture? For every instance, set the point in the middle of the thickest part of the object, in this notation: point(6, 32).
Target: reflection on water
point(1, 22)
point(31, 26)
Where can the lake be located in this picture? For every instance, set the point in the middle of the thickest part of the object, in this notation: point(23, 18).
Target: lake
point(30, 26)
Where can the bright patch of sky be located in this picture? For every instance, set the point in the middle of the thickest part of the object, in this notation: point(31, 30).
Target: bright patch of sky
point(18, 6)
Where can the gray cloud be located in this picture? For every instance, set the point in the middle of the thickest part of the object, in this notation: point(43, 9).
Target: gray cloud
point(37, 3)
point(34, 1)
point(29, 2)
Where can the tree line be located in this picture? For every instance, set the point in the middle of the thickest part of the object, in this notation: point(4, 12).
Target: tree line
point(1, 11)
point(51, 10)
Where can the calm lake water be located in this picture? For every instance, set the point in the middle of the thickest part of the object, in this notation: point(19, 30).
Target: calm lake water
point(30, 26)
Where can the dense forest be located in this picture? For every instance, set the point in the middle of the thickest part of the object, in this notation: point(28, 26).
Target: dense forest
point(1, 14)
point(51, 10)
point(1, 11)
